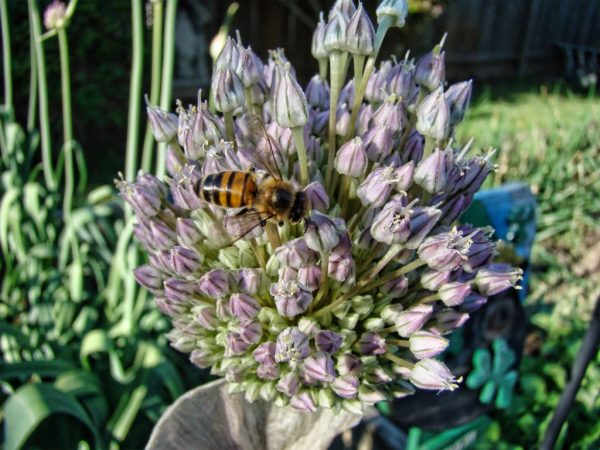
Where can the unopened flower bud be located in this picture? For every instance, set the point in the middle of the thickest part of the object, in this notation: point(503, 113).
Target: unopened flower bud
point(214, 284)
point(227, 90)
point(433, 116)
point(318, 50)
point(55, 15)
point(206, 316)
point(150, 278)
point(163, 124)
point(320, 367)
point(265, 353)
point(453, 294)
point(458, 97)
point(424, 344)
point(345, 7)
point(434, 279)
point(291, 109)
point(243, 306)
point(321, 233)
point(496, 278)
point(370, 395)
point(473, 302)
point(292, 345)
point(422, 221)
point(448, 320)
point(378, 142)
point(328, 341)
point(395, 10)
point(360, 36)
point(185, 261)
point(371, 344)
point(335, 33)
point(230, 56)
point(236, 345)
point(430, 71)
point(351, 159)
point(317, 93)
point(431, 173)
point(444, 251)
point(303, 402)
point(413, 319)
point(346, 386)
point(317, 196)
point(432, 374)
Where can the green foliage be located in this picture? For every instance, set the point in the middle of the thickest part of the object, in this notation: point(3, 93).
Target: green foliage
point(549, 137)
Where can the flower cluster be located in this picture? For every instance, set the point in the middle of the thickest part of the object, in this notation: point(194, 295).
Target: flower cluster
point(351, 305)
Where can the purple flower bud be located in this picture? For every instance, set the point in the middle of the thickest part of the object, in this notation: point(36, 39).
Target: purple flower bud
point(179, 291)
point(248, 280)
point(445, 251)
point(243, 306)
point(303, 402)
point(150, 278)
point(433, 116)
point(236, 345)
point(372, 344)
point(346, 386)
point(248, 70)
point(251, 332)
point(227, 90)
point(162, 123)
point(390, 313)
point(291, 109)
point(496, 278)
point(347, 94)
point(185, 261)
point(422, 221)
point(473, 302)
point(310, 277)
point(163, 235)
point(378, 142)
point(448, 320)
point(396, 287)
point(364, 118)
point(201, 358)
point(433, 375)
point(294, 253)
point(268, 372)
point(413, 319)
point(328, 341)
point(344, 7)
point(342, 119)
point(230, 56)
point(375, 92)
point(378, 185)
point(265, 353)
point(481, 250)
point(317, 93)
point(349, 364)
point(434, 279)
point(144, 201)
point(400, 80)
point(341, 267)
point(335, 33)
point(453, 294)
point(431, 70)
point(369, 395)
point(424, 344)
point(318, 40)
point(458, 97)
point(187, 232)
point(214, 284)
point(222, 309)
point(288, 384)
point(396, 10)
point(351, 158)
point(291, 298)
point(360, 35)
point(413, 150)
point(292, 345)
point(207, 317)
point(431, 173)
point(320, 367)
point(317, 196)
point(321, 234)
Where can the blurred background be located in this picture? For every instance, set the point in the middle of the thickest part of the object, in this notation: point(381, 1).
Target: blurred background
point(535, 65)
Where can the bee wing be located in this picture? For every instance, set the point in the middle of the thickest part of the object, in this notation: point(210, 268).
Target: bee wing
point(264, 146)
point(246, 224)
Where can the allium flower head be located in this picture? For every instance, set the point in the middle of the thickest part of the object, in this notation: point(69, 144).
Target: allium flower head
point(306, 250)
point(55, 14)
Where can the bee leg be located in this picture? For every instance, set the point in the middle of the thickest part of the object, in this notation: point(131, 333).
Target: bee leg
point(280, 223)
point(263, 223)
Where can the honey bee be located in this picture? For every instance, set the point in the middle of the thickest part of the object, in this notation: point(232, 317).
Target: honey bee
point(269, 198)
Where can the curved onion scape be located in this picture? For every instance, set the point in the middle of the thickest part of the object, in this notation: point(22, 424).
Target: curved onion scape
point(351, 305)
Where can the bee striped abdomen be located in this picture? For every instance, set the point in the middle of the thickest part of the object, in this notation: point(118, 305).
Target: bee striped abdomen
point(229, 189)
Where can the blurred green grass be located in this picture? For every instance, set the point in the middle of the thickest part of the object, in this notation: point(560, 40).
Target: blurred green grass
point(549, 137)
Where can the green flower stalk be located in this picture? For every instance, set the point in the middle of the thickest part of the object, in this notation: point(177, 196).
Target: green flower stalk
point(307, 269)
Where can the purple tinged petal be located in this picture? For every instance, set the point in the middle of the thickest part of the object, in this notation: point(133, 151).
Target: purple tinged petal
point(321, 234)
point(335, 33)
point(433, 116)
point(431, 70)
point(318, 50)
point(448, 320)
point(372, 344)
point(397, 10)
point(473, 302)
point(317, 196)
point(162, 123)
point(349, 364)
point(150, 278)
point(424, 344)
point(248, 280)
point(434, 279)
point(458, 97)
point(288, 384)
point(291, 108)
point(431, 173)
point(310, 277)
point(317, 93)
point(265, 353)
point(187, 232)
point(320, 367)
point(292, 345)
point(328, 341)
point(268, 372)
point(413, 319)
point(351, 159)
point(433, 375)
point(496, 278)
point(360, 35)
point(303, 402)
point(179, 291)
point(454, 294)
point(251, 332)
point(214, 284)
point(346, 386)
point(227, 90)
point(243, 306)
point(378, 142)
point(236, 345)
point(207, 317)
point(185, 261)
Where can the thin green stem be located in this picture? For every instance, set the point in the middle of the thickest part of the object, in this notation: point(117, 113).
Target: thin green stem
point(399, 342)
point(323, 280)
point(336, 72)
point(229, 128)
point(157, 31)
point(323, 68)
point(44, 115)
point(166, 89)
point(65, 77)
point(396, 273)
point(298, 134)
point(135, 89)
point(6, 58)
point(399, 361)
point(33, 83)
